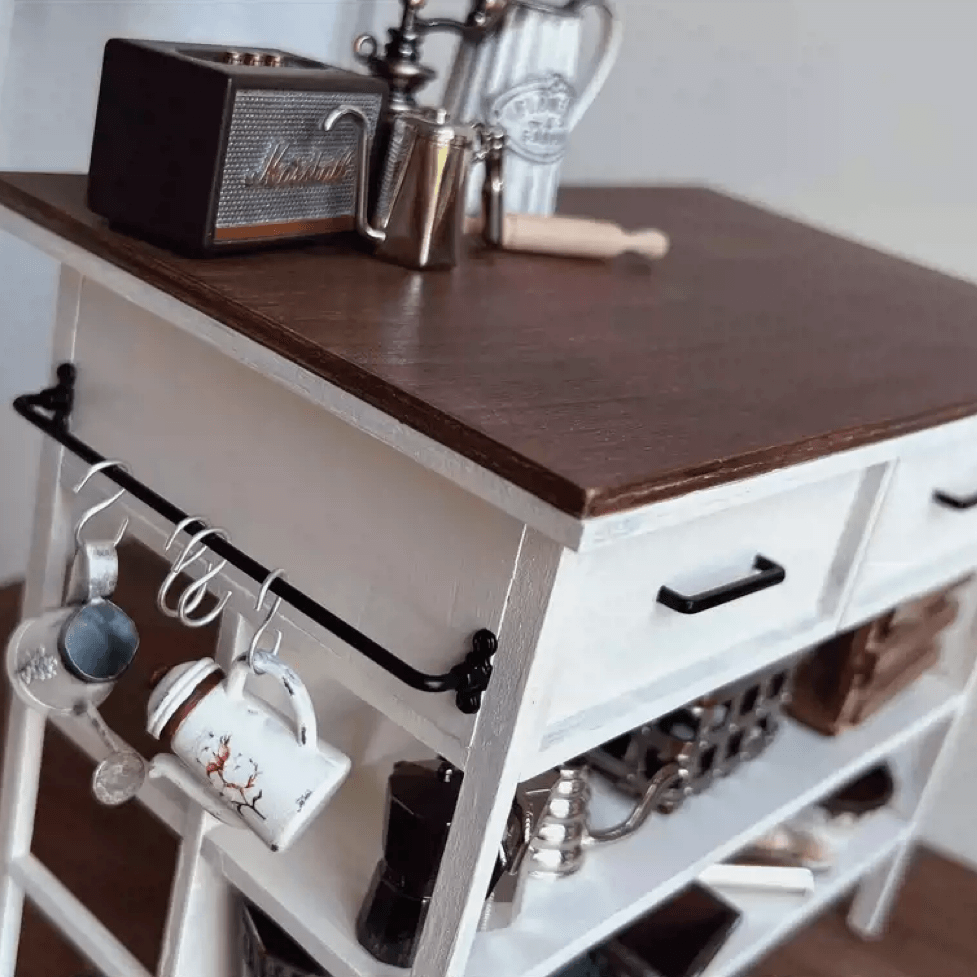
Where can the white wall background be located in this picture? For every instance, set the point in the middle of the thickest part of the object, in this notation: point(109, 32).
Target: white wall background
point(857, 114)
point(47, 110)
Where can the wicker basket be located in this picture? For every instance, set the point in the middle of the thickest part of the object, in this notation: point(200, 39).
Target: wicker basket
point(847, 679)
point(268, 951)
point(710, 737)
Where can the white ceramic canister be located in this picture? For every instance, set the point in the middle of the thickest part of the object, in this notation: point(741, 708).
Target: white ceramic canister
point(237, 756)
point(527, 78)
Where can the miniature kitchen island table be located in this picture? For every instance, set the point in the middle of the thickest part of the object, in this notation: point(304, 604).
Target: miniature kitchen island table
point(535, 447)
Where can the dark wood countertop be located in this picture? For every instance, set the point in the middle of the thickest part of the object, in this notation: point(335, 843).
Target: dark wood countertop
point(757, 343)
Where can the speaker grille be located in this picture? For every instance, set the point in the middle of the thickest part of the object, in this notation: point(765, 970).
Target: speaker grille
point(281, 167)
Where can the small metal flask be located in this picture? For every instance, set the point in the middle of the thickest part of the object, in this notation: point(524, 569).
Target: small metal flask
point(504, 899)
point(419, 212)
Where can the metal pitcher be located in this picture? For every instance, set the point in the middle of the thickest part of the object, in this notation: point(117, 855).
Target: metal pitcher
point(525, 75)
point(563, 829)
point(418, 215)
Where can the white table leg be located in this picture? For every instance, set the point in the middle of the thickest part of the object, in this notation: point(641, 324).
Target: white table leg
point(507, 726)
point(50, 551)
point(877, 893)
point(198, 941)
point(22, 762)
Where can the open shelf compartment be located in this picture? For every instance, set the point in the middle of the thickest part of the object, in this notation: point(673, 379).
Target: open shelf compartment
point(314, 890)
point(562, 918)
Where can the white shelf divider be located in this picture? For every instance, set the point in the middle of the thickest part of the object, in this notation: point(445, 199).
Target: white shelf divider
point(314, 889)
point(76, 922)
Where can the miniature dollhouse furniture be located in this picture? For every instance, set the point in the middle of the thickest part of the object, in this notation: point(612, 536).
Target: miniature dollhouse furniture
point(540, 449)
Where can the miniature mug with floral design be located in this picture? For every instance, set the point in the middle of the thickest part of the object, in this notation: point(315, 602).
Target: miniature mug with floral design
point(236, 756)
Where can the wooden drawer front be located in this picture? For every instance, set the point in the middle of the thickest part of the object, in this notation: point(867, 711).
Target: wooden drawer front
point(617, 637)
point(919, 541)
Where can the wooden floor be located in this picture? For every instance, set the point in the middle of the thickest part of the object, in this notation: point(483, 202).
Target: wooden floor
point(932, 933)
point(120, 862)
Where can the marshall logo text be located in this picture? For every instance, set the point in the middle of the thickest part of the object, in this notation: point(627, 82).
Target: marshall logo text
point(281, 171)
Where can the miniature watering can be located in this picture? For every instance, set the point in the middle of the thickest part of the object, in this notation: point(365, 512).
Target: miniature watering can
point(236, 756)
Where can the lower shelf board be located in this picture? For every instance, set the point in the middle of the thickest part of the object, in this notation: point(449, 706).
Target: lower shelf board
point(563, 918)
point(769, 919)
point(314, 889)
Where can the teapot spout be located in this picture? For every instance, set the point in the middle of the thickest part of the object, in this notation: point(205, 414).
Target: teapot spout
point(167, 767)
point(667, 777)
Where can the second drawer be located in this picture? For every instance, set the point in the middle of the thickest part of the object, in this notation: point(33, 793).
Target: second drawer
point(635, 611)
point(926, 531)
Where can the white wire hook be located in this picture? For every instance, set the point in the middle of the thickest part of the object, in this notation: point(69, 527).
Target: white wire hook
point(186, 557)
point(261, 628)
point(180, 526)
point(104, 504)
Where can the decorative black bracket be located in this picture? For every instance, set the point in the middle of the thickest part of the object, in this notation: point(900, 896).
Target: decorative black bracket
point(50, 411)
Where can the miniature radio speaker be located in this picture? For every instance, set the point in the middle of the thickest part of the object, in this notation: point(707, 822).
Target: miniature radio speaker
point(207, 149)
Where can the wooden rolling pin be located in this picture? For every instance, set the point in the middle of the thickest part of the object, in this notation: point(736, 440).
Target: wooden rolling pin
point(576, 237)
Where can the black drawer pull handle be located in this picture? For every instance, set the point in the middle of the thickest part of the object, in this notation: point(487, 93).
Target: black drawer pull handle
point(955, 502)
point(768, 574)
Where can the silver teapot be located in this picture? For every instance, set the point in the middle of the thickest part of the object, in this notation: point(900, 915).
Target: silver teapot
point(418, 216)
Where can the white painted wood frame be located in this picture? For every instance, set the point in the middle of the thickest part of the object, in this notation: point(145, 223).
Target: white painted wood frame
point(314, 890)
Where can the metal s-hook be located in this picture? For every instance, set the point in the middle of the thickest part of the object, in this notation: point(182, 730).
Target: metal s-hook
point(191, 597)
point(181, 562)
point(261, 628)
point(180, 526)
point(103, 505)
point(195, 592)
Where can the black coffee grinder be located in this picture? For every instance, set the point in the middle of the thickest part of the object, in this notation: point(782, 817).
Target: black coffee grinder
point(421, 799)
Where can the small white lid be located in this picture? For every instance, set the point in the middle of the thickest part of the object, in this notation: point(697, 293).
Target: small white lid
point(173, 690)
